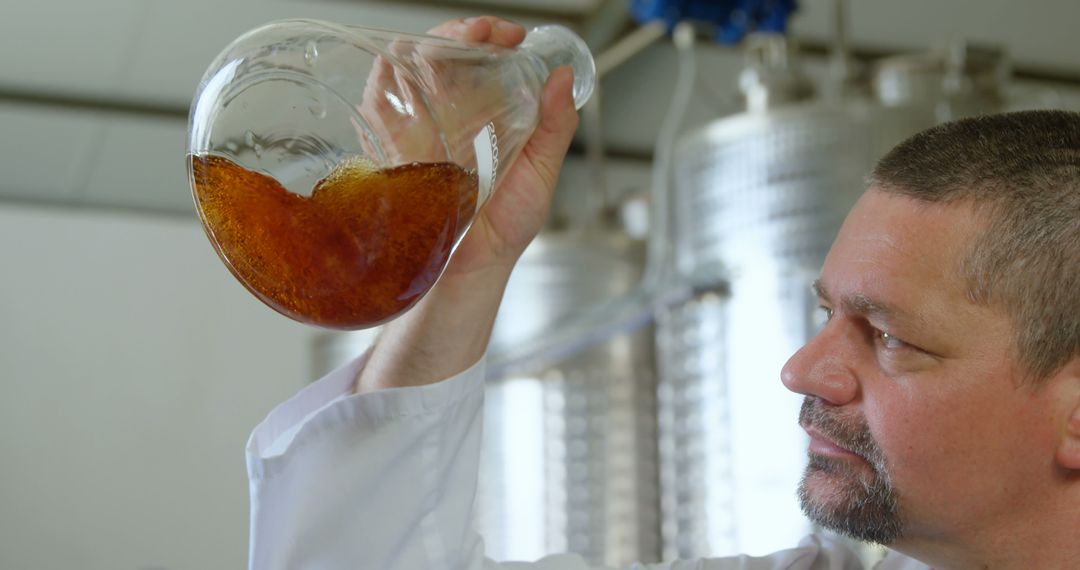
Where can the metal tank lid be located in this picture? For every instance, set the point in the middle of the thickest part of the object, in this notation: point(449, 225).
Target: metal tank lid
point(960, 69)
point(772, 76)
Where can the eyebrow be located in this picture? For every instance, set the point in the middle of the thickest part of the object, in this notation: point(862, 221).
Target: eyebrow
point(866, 306)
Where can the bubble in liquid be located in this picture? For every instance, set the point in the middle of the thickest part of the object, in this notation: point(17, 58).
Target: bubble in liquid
point(318, 109)
point(311, 53)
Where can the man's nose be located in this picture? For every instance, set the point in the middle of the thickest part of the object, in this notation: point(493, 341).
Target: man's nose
point(824, 367)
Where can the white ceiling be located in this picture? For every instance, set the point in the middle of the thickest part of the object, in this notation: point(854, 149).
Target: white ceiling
point(1039, 34)
point(93, 103)
point(155, 51)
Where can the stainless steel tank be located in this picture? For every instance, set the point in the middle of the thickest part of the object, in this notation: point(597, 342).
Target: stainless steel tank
point(569, 459)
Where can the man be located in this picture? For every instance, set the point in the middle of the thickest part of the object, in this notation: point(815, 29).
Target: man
point(942, 395)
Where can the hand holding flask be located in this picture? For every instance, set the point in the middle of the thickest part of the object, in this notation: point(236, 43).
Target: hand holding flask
point(336, 169)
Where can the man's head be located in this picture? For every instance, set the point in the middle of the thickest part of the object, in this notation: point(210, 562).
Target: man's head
point(1021, 172)
point(943, 394)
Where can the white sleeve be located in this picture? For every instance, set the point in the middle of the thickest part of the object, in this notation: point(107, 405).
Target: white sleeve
point(384, 480)
point(387, 480)
point(814, 552)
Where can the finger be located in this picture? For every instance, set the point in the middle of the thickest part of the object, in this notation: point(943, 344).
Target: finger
point(380, 78)
point(482, 29)
point(504, 32)
point(468, 29)
point(558, 121)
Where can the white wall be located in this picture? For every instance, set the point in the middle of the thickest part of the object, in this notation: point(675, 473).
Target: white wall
point(132, 367)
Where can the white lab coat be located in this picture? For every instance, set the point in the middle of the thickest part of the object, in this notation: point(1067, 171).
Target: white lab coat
point(387, 480)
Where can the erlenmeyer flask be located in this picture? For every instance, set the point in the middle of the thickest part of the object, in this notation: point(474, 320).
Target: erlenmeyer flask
point(336, 168)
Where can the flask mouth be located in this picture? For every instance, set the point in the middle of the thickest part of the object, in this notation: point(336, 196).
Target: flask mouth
point(557, 46)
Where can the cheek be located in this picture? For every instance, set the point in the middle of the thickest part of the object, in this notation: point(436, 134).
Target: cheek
point(940, 446)
point(927, 443)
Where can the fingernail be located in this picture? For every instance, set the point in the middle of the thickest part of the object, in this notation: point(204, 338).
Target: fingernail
point(472, 20)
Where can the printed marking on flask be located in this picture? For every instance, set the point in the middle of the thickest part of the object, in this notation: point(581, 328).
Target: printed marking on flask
point(486, 147)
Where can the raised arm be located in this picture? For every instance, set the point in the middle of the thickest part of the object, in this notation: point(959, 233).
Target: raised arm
point(449, 329)
point(386, 479)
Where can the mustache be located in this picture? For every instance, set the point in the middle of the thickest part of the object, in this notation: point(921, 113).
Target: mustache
point(853, 434)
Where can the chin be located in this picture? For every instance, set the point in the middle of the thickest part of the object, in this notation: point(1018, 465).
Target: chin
point(847, 500)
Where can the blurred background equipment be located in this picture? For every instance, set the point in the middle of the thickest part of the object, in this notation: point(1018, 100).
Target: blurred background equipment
point(586, 419)
point(635, 409)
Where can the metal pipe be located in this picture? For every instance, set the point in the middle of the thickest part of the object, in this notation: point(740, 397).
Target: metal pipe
point(628, 46)
point(592, 114)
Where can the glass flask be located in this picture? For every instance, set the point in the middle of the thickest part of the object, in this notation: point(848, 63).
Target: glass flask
point(335, 168)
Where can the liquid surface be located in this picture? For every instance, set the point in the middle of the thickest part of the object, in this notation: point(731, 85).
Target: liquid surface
point(361, 249)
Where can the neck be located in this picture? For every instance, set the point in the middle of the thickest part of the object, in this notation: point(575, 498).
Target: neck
point(1042, 534)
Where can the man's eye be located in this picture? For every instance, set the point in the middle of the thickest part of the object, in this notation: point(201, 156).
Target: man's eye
point(820, 317)
point(890, 342)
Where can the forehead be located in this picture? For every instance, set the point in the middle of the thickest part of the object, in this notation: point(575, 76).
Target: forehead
point(902, 251)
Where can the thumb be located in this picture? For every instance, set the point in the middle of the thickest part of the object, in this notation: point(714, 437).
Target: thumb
point(558, 120)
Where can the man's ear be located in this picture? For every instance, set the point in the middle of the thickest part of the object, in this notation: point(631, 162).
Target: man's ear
point(1068, 453)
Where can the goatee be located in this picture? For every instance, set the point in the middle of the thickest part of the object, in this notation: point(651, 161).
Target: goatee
point(849, 499)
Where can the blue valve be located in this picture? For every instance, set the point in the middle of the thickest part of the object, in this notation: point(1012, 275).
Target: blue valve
point(733, 18)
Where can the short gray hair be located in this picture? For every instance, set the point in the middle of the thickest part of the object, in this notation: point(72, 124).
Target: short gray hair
point(1022, 171)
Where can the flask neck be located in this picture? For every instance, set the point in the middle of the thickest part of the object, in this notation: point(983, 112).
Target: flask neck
point(555, 46)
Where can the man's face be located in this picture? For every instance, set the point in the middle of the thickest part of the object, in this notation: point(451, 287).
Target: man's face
point(919, 429)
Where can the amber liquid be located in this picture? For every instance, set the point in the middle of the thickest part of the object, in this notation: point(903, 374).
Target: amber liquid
point(361, 249)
